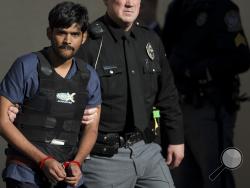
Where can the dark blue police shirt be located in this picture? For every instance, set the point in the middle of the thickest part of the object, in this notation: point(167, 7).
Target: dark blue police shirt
point(21, 82)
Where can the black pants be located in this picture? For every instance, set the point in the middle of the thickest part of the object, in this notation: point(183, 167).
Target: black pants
point(208, 131)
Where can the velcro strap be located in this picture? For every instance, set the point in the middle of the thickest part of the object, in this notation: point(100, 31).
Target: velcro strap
point(37, 120)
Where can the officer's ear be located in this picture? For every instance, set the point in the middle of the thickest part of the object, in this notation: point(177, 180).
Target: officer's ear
point(84, 36)
point(49, 33)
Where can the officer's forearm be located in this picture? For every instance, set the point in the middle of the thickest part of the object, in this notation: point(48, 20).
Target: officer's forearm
point(88, 138)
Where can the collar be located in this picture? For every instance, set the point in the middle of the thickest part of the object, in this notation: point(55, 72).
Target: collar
point(73, 68)
point(116, 31)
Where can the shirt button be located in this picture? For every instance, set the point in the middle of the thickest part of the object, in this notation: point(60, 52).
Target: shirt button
point(153, 70)
point(111, 72)
point(133, 72)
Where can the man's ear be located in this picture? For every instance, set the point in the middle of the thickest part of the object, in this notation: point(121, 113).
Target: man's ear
point(84, 36)
point(49, 33)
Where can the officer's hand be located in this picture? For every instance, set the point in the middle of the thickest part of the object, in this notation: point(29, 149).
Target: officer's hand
point(74, 174)
point(54, 170)
point(12, 112)
point(90, 114)
point(175, 155)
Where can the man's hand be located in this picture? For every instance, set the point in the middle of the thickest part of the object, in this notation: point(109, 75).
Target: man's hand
point(12, 112)
point(74, 174)
point(89, 116)
point(54, 170)
point(175, 154)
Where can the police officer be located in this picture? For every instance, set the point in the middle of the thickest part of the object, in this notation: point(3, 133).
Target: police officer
point(53, 88)
point(134, 75)
point(207, 50)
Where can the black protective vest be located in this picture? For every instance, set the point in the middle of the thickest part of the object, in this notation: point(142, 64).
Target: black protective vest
point(51, 119)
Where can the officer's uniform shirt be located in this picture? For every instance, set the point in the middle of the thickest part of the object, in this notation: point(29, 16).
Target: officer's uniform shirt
point(205, 42)
point(21, 82)
point(201, 34)
point(154, 75)
point(207, 48)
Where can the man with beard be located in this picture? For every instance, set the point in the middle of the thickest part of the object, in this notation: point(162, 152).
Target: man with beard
point(47, 143)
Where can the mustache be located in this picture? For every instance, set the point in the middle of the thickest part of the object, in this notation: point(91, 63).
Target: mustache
point(66, 47)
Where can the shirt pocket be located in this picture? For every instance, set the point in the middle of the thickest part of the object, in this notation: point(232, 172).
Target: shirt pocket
point(151, 71)
point(111, 79)
point(151, 67)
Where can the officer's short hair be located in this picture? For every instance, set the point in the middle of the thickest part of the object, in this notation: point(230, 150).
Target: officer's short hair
point(64, 14)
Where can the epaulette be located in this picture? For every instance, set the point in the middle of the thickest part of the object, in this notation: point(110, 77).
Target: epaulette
point(95, 30)
point(138, 24)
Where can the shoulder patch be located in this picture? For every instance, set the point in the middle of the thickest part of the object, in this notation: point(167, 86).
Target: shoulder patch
point(240, 40)
point(232, 21)
point(138, 24)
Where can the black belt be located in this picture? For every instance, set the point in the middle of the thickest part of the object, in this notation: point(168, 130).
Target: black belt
point(108, 143)
point(129, 139)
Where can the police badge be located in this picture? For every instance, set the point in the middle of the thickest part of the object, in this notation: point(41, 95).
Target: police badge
point(150, 51)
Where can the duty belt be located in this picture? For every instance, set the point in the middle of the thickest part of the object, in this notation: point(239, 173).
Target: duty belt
point(128, 139)
point(108, 143)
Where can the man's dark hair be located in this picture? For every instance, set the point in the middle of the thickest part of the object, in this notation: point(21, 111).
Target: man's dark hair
point(64, 14)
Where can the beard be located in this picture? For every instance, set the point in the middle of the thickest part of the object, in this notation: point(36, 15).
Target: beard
point(64, 52)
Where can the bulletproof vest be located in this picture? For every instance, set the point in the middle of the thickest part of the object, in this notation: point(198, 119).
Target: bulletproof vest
point(51, 120)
